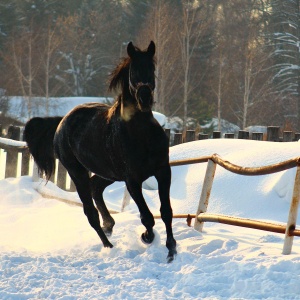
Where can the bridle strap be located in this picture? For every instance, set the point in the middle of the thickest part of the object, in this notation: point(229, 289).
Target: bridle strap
point(134, 89)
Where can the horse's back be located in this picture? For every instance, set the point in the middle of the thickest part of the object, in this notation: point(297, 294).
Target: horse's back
point(110, 147)
point(87, 135)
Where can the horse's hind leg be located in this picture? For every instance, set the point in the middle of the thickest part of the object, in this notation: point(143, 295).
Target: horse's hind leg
point(163, 177)
point(135, 190)
point(98, 185)
point(81, 179)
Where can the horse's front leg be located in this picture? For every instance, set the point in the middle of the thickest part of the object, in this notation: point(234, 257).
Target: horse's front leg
point(163, 177)
point(147, 219)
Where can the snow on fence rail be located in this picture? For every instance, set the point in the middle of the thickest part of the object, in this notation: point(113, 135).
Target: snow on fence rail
point(202, 216)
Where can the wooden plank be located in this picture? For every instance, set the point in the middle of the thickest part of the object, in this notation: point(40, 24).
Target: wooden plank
point(61, 176)
point(177, 139)
point(25, 162)
point(273, 133)
point(287, 136)
point(11, 163)
point(243, 134)
point(216, 135)
point(229, 135)
point(292, 218)
point(243, 222)
point(257, 136)
point(202, 136)
point(190, 136)
point(205, 193)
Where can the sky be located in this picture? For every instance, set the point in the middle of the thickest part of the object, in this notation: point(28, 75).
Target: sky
point(49, 251)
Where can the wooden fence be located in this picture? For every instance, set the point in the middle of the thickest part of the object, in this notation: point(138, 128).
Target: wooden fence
point(18, 156)
point(19, 152)
point(202, 216)
point(273, 134)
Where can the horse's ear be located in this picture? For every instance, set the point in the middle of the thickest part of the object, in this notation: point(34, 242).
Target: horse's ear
point(130, 50)
point(151, 48)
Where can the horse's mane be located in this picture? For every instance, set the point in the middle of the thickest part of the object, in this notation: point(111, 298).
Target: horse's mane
point(119, 76)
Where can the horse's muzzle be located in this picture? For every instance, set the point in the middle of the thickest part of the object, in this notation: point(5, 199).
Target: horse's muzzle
point(144, 97)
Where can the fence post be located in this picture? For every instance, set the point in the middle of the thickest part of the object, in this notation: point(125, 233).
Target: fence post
point(61, 176)
point(11, 163)
point(25, 162)
point(168, 132)
point(126, 199)
point(292, 219)
point(202, 136)
point(297, 136)
point(72, 187)
point(243, 134)
point(287, 136)
point(189, 136)
point(35, 174)
point(205, 193)
point(229, 135)
point(257, 136)
point(14, 133)
point(177, 139)
point(273, 133)
point(216, 135)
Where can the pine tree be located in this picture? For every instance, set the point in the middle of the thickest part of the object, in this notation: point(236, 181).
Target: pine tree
point(285, 40)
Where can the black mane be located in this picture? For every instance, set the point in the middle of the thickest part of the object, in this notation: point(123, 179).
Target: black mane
point(119, 76)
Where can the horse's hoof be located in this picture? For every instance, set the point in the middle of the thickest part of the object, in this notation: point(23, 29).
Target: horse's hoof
point(147, 239)
point(108, 245)
point(171, 256)
point(107, 231)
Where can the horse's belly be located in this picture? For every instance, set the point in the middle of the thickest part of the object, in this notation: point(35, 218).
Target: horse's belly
point(104, 169)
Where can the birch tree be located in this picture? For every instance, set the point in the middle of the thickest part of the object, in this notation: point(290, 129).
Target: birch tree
point(193, 28)
point(161, 30)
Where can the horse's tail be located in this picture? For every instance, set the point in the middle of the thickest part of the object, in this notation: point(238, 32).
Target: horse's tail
point(39, 135)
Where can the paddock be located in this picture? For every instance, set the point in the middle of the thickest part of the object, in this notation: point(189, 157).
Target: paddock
point(202, 215)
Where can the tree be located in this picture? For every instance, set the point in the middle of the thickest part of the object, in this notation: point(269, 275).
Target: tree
point(92, 42)
point(194, 31)
point(160, 28)
point(241, 81)
point(284, 26)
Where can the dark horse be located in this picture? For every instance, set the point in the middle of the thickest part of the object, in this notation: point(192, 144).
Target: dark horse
point(122, 142)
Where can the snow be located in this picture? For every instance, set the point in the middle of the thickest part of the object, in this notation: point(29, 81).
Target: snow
point(10, 142)
point(49, 251)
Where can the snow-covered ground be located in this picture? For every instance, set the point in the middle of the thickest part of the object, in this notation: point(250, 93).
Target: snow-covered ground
point(48, 250)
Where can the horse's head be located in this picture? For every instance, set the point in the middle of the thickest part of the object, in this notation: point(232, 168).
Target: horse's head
point(141, 75)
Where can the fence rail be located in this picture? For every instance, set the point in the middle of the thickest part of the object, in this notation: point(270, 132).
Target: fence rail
point(201, 216)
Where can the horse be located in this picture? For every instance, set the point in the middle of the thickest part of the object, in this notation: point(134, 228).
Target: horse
point(122, 142)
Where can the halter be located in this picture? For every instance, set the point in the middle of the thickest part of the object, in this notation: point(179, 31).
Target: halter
point(135, 89)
